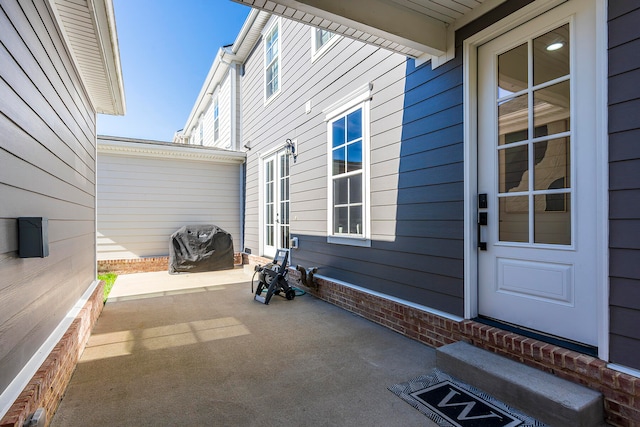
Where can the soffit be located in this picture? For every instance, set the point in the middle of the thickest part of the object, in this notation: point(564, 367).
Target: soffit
point(412, 28)
point(89, 29)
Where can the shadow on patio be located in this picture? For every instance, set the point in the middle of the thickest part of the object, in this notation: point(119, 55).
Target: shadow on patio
point(197, 350)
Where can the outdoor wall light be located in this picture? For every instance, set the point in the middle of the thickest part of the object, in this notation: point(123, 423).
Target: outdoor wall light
point(290, 147)
point(247, 145)
point(555, 46)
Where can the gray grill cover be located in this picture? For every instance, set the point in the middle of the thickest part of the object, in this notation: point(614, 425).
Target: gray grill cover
point(198, 248)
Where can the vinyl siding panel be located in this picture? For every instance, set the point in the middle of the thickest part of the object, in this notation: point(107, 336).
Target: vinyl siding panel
point(415, 149)
point(47, 153)
point(624, 182)
point(224, 116)
point(137, 220)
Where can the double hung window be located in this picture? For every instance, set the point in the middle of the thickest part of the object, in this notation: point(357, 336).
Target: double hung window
point(348, 172)
point(216, 121)
point(321, 39)
point(272, 60)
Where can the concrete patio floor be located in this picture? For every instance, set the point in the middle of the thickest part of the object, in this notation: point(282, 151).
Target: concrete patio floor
point(197, 350)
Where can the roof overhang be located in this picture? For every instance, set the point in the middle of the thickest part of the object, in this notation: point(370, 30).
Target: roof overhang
point(130, 147)
point(423, 29)
point(89, 29)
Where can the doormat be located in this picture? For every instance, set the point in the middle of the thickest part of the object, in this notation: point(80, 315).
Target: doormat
point(451, 403)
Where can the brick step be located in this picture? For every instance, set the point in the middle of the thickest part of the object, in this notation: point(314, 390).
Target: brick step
point(550, 399)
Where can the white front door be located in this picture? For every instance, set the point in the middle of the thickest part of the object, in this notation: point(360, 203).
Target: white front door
point(536, 163)
point(275, 228)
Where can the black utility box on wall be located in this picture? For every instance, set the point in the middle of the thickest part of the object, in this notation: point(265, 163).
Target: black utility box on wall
point(33, 237)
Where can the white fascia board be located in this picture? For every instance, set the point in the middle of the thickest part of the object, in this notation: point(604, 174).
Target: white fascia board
point(217, 72)
point(107, 72)
point(129, 147)
point(106, 33)
point(249, 33)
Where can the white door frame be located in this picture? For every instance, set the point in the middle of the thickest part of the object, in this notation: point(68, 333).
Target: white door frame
point(470, 64)
point(273, 152)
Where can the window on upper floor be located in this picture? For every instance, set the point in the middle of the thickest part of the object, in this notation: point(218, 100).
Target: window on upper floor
point(321, 39)
point(272, 60)
point(216, 120)
point(348, 172)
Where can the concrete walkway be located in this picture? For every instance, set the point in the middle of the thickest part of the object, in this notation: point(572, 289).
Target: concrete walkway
point(196, 350)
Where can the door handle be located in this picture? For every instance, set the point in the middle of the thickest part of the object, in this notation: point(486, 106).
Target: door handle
point(483, 220)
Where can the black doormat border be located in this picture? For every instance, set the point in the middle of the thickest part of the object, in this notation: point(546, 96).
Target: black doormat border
point(408, 391)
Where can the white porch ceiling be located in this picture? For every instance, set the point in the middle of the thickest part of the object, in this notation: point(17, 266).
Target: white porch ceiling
point(89, 28)
point(413, 28)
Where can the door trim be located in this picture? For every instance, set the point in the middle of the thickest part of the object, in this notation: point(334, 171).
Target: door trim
point(262, 156)
point(470, 119)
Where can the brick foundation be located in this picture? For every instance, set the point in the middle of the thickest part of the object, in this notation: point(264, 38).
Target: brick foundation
point(621, 391)
point(49, 383)
point(143, 265)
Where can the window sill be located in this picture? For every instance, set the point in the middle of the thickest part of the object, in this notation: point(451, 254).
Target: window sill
point(349, 241)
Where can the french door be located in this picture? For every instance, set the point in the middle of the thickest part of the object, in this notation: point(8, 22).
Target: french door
point(275, 229)
point(536, 180)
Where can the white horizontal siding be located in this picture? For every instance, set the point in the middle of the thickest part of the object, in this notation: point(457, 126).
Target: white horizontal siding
point(143, 200)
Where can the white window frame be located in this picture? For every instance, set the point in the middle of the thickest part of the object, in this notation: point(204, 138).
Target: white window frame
point(318, 51)
point(358, 99)
point(201, 132)
point(276, 24)
point(216, 120)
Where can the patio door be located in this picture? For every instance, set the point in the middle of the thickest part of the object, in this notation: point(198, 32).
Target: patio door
point(536, 183)
point(276, 202)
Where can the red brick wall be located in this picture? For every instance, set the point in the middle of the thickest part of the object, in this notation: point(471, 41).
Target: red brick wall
point(49, 383)
point(621, 391)
point(143, 265)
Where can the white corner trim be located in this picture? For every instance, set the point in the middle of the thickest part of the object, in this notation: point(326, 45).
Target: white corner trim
point(358, 96)
point(151, 149)
point(11, 393)
point(602, 172)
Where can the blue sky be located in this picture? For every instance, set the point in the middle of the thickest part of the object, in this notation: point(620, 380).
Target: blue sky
point(166, 50)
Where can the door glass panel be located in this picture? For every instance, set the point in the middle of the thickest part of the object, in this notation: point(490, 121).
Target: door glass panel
point(552, 164)
point(514, 169)
point(552, 107)
point(524, 144)
point(551, 55)
point(513, 120)
point(283, 198)
point(552, 218)
point(513, 71)
point(514, 219)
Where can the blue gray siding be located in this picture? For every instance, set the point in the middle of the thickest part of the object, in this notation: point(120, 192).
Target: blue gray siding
point(47, 158)
point(624, 181)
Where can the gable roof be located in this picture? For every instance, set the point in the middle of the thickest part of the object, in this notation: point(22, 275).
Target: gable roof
point(89, 29)
point(238, 52)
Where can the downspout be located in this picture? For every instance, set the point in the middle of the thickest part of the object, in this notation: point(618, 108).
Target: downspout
point(233, 75)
